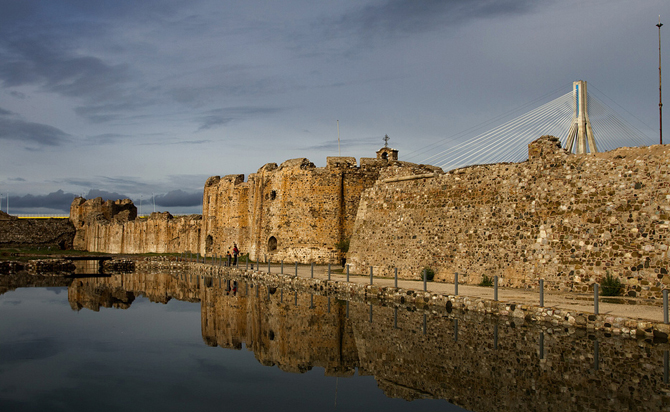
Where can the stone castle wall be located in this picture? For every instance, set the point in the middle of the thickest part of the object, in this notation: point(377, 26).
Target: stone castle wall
point(569, 219)
point(113, 227)
point(295, 212)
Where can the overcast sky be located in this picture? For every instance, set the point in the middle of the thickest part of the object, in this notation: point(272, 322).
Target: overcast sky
point(130, 98)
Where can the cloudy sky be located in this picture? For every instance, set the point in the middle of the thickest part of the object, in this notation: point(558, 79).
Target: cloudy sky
point(130, 98)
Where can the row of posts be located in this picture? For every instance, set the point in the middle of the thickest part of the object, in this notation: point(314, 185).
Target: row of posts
point(596, 287)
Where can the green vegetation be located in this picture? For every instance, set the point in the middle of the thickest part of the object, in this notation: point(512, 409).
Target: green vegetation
point(343, 245)
point(610, 286)
point(430, 274)
point(486, 281)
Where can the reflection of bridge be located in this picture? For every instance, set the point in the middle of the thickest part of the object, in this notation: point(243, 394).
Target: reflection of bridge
point(582, 123)
point(99, 259)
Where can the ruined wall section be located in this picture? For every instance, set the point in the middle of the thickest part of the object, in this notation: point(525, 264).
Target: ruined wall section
point(113, 227)
point(568, 219)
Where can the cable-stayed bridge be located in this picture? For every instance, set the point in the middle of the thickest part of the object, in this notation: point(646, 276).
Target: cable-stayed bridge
point(583, 124)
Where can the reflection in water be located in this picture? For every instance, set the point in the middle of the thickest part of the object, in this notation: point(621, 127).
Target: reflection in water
point(480, 363)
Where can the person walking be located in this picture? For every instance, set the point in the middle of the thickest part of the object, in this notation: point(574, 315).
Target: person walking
point(236, 252)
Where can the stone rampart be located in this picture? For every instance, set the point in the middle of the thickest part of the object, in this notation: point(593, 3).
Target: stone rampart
point(569, 219)
point(295, 212)
point(113, 227)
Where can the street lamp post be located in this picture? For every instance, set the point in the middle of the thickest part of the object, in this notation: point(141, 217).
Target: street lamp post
point(660, 100)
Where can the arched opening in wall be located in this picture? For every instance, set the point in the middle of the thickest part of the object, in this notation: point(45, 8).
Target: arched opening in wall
point(272, 244)
point(273, 195)
point(209, 243)
point(385, 156)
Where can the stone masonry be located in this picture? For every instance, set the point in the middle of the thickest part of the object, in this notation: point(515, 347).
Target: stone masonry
point(295, 212)
point(568, 219)
point(113, 227)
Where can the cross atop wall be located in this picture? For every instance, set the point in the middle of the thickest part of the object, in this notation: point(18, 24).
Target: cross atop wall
point(386, 140)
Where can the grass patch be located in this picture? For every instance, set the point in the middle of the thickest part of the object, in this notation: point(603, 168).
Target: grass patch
point(611, 286)
point(486, 281)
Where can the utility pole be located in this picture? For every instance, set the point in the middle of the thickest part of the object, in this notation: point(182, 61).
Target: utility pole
point(660, 100)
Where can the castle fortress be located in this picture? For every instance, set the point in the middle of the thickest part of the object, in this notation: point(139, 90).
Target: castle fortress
point(567, 218)
point(295, 212)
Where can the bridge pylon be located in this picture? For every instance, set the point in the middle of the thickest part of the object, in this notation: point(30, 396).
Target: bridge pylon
point(580, 137)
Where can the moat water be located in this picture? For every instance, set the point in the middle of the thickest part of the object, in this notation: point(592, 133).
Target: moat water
point(157, 341)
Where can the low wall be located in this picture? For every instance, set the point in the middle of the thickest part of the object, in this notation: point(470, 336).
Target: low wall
point(36, 233)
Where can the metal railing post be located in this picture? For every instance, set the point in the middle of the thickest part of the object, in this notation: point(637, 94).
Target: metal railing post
point(347, 273)
point(595, 298)
point(371, 275)
point(495, 288)
point(396, 278)
point(455, 283)
point(425, 275)
point(665, 306)
point(541, 292)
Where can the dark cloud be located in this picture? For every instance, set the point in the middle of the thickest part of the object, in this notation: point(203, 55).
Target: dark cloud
point(40, 61)
point(34, 349)
point(395, 17)
point(58, 200)
point(4, 112)
point(347, 144)
point(220, 117)
point(13, 128)
point(179, 198)
point(106, 138)
point(105, 195)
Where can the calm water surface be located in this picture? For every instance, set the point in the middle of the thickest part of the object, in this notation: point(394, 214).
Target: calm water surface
point(184, 342)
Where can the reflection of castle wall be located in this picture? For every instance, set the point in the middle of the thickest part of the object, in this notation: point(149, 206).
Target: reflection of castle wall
point(470, 371)
point(279, 332)
point(473, 373)
point(119, 291)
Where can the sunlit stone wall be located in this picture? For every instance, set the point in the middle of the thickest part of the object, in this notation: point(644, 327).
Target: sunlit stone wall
point(292, 212)
point(569, 219)
point(113, 227)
